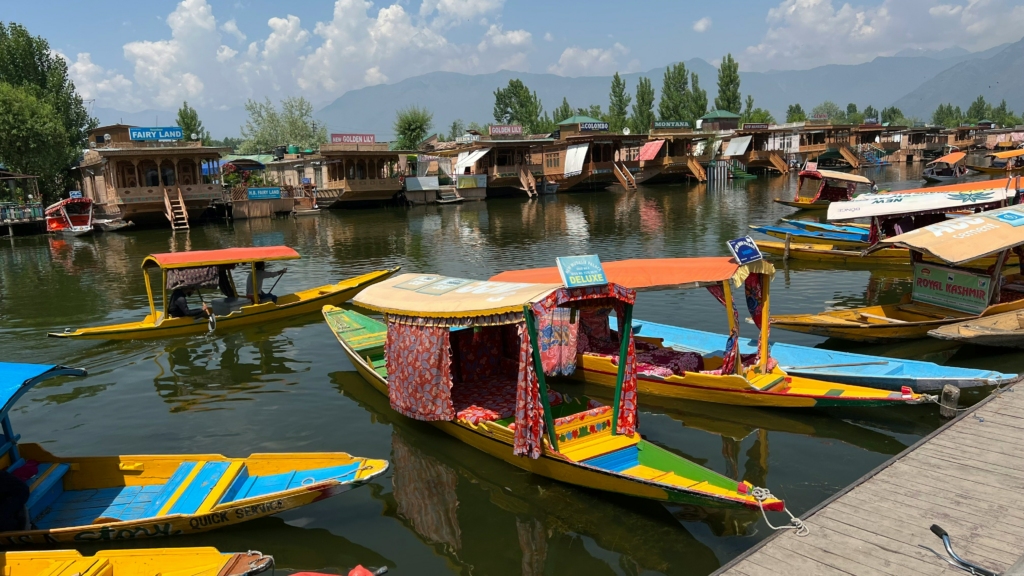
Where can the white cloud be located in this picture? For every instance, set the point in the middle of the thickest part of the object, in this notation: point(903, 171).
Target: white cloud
point(500, 39)
point(225, 53)
point(93, 82)
point(548, 37)
point(807, 33)
point(374, 76)
point(702, 25)
point(451, 11)
point(576, 61)
point(231, 27)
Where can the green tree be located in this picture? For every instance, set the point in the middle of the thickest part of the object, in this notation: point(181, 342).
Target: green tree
point(294, 124)
point(189, 122)
point(729, 86)
point(795, 113)
point(411, 126)
point(978, 110)
point(28, 63)
point(227, 142)
point(618, 104)
point(947, 115)
point(1003, 116)
point(515, 104)
point(562, 112)
point(594, 112)
point(893, 115)
point(870, 112)
point(643, 108)
point(674, 102)
point(755, 115)
point(829, 110)
point(456, 129)
point(33, 139)
point(697, 101)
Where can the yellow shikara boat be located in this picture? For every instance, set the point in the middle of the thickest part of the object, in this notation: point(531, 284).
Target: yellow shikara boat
point(829, 253)
point(1012, 163)
point(203, 268)
point(464, 355)
point(725, 378)
point(145, 562)
point(107, 498)
point(816, 189)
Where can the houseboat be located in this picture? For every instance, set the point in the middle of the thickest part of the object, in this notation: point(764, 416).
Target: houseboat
point(675, 153)
point(875, 143)
point(965, 137)
point(501, 161)
point(150, 173)
point(356, 168)
point(586, 155)
point(921, 143)
point(764, 147)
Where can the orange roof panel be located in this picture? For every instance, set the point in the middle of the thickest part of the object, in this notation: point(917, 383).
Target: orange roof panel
point(642, 273)
point(216, 257)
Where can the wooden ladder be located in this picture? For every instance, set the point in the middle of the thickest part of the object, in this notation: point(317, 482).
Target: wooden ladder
point(624, 177)
point(778, 162)
point(175, 210)
point(697, 170)
point(528, 181)
point(849, 155)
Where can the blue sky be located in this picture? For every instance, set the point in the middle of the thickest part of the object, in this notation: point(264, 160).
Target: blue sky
point(132, 55)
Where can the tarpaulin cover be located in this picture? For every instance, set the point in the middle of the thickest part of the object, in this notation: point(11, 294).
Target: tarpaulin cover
point(214, 257)
point(889, 204)
point(416, 183)
point(574, 157)
point(468, 159)
point(16, 379)
point(738, 146)
point(964, 239)
point(650, 150)
point(952, 158)
point(650, 273)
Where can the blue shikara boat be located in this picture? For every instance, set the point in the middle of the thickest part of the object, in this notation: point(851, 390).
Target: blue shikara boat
point(826, 227)
point(843, 239)
point(833, 366)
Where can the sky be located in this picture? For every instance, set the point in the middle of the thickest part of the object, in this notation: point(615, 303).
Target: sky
point(132, 56)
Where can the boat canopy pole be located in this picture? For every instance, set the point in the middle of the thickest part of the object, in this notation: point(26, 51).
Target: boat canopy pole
point(255, 284)
point(11, 441)
point(538, 367)
point(730, 309)
point(627, 327)
point(997, 272)
point(163, 288)
point(149, 293)
point(766, 284)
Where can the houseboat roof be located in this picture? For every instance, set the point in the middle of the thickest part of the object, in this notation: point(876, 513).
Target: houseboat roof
point(578, 119)
point(195, 258)
point(719, 114)
point(377, 148)
point(655, 273)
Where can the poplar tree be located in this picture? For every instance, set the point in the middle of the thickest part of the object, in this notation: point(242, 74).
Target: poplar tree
point(674, 91)
point(795, 113)
point(696, 101)
point(562, 112)
point(618, 105)
point(189, 122)
point(643, 109)
point(729, 86)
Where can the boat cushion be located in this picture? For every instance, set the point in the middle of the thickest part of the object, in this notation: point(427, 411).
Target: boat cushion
point(477, 402)
point(46, 486)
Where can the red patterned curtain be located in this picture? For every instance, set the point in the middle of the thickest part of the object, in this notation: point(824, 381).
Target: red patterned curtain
point(628, 401)
point(529, 410)
point(419, 371)
point(556, 337)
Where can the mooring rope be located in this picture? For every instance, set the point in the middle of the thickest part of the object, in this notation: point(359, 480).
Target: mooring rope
point(762, 494)
point(310, 480)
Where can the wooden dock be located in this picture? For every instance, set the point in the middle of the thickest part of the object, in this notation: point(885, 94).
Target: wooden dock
point(967, 476)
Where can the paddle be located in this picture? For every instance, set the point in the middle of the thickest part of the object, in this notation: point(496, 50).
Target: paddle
point(271, 291)
point(211, 320)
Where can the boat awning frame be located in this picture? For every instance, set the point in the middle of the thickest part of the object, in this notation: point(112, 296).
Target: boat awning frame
point(900, 204)
point(841, 176)
point(656, 273)
point(196, 258)
point(964, 239)
point(1008, 154)
point(951, 158)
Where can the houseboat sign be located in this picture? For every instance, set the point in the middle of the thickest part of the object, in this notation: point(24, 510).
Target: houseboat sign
point(265, 193)
point(353, 139)
point(671, 124)
point(505, 130)
point(593, 126)
point(755, 126)
point(467, 138)
point(156, 133)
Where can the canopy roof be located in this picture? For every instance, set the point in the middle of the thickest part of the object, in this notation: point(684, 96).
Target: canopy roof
point(218, 257)
point(964, 239)
point(719, 114)
point(951, 158)
point(56, 206)
point(655, 273)
point(1008, 154)
point(432, 295)
point(834, 175)
point(894, 204)
point(16, 379)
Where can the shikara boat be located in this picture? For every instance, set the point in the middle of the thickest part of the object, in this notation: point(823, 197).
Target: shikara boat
point(850, 228)
point(70, 217)
point(948, 168)
point(1008, 162)
point(816, 189)
point(831, 365)
point(726, 378)
point(143, 562)
point(105, 498)
point(110, 224)
point(941, 295)
point(837, 240)
point(1002, 330)
point(202, 269)
point(472, 357)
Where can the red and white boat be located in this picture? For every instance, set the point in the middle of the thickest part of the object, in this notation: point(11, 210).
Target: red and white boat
point(70, 217)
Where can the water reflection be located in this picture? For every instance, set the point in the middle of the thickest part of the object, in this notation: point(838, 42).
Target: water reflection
point(439, 494)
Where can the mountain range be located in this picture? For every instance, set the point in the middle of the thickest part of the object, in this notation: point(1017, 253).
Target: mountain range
point(915, 81)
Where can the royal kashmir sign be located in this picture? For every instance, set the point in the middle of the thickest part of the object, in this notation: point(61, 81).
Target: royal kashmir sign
point(156, 133)
point(577, 271)
point(505, 130)
point(671, 124)
point(951, 288)
point(593, 126)
point(265, 193)
point(745, 250)
point(353, 139)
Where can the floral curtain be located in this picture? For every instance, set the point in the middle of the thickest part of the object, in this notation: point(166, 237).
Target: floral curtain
point(529, 410)
point(418, 360)
point(627, 404)
point(200, 276)
point(556, 337)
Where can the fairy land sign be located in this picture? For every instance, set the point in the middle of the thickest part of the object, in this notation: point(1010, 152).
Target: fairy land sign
point(951, 288)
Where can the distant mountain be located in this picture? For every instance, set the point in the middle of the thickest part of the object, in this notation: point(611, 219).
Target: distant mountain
point(452, 96)
point(220, 123)
point(995, 77)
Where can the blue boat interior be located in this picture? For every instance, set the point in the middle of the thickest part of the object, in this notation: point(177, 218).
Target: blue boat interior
point(800, 233)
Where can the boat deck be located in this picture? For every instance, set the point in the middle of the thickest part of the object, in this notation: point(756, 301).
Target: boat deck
point(967, 477)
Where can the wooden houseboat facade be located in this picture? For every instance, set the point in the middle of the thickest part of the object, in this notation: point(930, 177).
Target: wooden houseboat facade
point(587, 156)
point(921, 143)
point(360, 173)
point(674, 153)
point(764, 147)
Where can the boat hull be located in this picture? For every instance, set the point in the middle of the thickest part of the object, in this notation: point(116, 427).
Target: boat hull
point(815, 205)
point(998, 171)
point(288, 306)
point(811, 237)
point(827, 253)
point(1004, 330)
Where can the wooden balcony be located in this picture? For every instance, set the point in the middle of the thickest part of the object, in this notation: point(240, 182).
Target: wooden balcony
point(145, 194)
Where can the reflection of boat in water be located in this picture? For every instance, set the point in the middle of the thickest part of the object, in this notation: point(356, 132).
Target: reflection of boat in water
point(455, 500)
point(167, 561)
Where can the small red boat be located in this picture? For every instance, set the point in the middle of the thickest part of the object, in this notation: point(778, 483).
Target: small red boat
point(71, 217)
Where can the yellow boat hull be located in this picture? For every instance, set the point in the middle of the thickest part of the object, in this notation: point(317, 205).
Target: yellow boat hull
point(287, 306)
point(993, 170)
point(145, 562)
point(90, 475)
point(808, 205)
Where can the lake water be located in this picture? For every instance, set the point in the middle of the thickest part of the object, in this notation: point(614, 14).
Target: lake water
point(444, 507)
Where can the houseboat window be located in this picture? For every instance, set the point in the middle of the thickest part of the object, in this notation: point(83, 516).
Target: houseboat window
point(167, 174)
point(350, 170)
point(551, 160)
point(152, 176)
point(361, 170)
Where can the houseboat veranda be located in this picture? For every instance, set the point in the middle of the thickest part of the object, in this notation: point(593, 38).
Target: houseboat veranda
point(675, 153)
point(129, 174)
point(357, 172)
point(466, 356)
point(202, 269)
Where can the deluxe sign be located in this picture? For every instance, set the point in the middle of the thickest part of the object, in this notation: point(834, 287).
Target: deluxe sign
point(264, 193)
point(505, 130)
point(593, 126)
point(353, 139)
point(745, 250)
point(758, 126)
point(579, 271)
point(951, 288)
point(671, 124)
point(158, 133)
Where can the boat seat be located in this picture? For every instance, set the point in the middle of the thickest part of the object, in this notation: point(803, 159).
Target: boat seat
point(45, 487)
point(163, 496)
point(225, 306)
point(245, 486)
point(926, 311)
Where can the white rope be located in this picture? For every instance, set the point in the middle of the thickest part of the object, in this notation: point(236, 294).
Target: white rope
point(762, 494)
point(310, 480)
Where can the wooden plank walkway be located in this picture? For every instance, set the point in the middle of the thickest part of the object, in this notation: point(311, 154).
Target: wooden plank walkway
point(967, 477)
